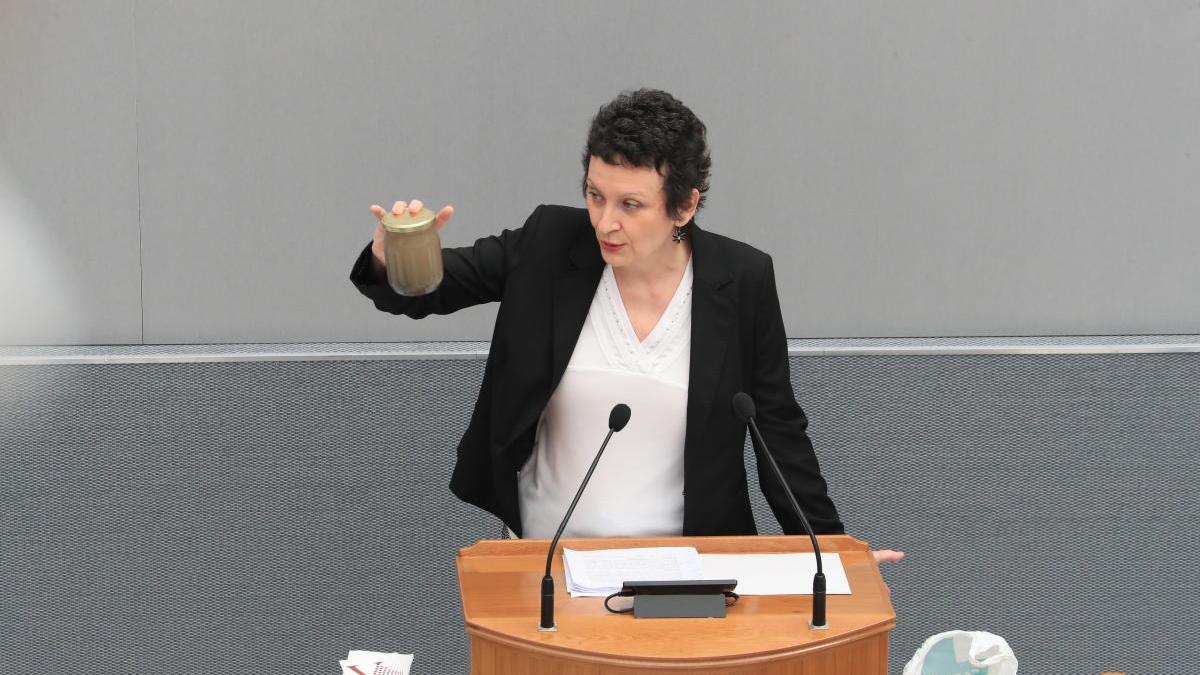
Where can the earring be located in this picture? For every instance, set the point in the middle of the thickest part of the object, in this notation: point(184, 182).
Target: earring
point(679, 234)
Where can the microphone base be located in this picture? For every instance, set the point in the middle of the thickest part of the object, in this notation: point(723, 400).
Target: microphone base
point(551, 629)
point(814, 626)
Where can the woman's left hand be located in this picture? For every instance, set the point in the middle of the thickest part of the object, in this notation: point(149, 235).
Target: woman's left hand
point(887, 555)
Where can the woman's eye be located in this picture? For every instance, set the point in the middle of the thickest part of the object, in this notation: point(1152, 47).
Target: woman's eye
point(632, 205)
point(593, 196)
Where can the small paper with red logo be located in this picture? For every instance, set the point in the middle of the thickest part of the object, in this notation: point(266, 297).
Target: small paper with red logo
point(360, 662)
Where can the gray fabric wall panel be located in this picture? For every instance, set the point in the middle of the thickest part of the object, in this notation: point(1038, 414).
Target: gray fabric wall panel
point(1042, 498)
point(267, 516)
point(236, 517)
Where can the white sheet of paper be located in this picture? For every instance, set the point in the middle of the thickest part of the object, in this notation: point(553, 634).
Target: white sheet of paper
point(359, 661)
point(599, 573)
point(776, 573)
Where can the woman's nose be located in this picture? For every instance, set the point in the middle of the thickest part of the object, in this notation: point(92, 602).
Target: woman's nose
point(609, 222)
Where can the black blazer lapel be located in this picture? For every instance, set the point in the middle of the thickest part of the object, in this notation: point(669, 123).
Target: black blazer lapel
point(714, 311)
point(573, 293)
point(574, 285)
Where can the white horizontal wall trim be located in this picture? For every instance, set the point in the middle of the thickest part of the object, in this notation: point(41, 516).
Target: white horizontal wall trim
point(365, 351)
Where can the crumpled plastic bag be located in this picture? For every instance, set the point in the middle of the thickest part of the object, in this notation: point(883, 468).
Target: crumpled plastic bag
point(963, 652)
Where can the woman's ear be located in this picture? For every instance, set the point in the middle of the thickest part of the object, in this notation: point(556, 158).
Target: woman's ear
point(693, 204)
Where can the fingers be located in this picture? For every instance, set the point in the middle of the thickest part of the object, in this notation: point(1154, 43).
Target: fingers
point(414, 207)
point(443, 216)
point(888, 556)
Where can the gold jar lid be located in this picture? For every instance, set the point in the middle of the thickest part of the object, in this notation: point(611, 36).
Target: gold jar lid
point(408, 222)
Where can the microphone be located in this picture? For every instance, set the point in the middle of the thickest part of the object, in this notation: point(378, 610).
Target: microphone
point(617, 419)
point(743, 407)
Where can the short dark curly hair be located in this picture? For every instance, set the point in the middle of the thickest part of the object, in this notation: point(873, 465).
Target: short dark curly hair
point(651, 128)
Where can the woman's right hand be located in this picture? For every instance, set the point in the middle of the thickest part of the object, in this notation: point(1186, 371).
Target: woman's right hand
point(398, 208)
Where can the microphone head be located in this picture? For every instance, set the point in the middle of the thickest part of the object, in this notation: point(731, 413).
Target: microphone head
point(743, 406)
point(619, 417)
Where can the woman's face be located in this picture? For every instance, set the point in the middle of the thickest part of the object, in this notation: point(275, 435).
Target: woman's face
point(628, 209)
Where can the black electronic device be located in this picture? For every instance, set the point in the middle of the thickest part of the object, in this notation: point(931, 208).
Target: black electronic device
point(679, 599)
point(686, 587)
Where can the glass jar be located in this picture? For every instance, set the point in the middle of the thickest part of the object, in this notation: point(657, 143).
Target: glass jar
point(412, 252)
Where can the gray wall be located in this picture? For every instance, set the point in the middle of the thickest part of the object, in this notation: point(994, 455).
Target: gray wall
point(199, 172)
point(187, 172)
point(204, 518)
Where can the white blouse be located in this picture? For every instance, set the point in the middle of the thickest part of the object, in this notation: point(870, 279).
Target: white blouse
point(637, 489)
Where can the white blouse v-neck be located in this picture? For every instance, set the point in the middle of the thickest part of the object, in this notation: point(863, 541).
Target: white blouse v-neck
point(637, 489)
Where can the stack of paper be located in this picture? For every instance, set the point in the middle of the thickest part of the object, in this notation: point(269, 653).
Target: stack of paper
point(600, 573)
point(359, 662)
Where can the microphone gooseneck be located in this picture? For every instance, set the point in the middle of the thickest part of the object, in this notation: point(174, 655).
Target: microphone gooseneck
point(744, 408)
point(617, 419)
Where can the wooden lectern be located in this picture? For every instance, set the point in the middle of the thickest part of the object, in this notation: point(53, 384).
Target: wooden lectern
point(500, 582)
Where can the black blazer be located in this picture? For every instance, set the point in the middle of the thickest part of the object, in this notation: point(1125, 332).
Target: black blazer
point(544, 275)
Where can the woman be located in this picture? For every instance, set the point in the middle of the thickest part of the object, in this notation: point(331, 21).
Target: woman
point(626, 301)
